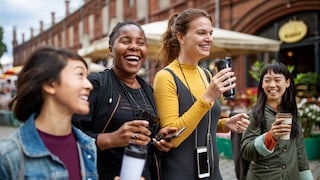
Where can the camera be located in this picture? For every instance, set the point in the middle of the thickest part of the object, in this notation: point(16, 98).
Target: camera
point(203, 162)
point(222, 64)
point(145, 115)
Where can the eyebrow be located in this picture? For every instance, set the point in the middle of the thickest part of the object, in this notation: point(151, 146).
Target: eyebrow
point(80, 67)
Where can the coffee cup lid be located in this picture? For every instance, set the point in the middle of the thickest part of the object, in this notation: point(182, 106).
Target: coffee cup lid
point(283, 115)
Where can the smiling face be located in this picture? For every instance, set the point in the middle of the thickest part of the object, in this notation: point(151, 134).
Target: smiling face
point(129, 50)
point(198, 40)
point(274, 86)
point(72, 91)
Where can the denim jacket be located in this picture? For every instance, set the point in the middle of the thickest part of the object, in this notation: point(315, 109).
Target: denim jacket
point(39, 162)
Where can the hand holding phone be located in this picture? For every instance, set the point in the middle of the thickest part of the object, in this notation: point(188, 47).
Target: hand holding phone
point(171, 136)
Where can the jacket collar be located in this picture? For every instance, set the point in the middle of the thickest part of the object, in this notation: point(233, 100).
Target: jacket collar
point(33, 145)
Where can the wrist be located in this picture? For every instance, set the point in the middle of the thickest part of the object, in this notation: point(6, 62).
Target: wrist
point(208, 99)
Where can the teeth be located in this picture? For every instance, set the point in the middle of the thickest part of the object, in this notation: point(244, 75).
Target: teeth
point(205, 46)
point(132, 58)
point(84, 97)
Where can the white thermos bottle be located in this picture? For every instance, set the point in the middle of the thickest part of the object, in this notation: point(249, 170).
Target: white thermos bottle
point(133, 162)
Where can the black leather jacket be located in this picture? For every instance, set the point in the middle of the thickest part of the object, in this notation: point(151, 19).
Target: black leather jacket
point(104, 101)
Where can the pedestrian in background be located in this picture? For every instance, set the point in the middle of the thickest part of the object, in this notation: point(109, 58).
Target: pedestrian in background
point(271, 157)
point(51, 87)
point(187, 96)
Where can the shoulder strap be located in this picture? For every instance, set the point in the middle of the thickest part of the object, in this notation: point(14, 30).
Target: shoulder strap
point(173, 75)
point(207, 74)
point(21, 160)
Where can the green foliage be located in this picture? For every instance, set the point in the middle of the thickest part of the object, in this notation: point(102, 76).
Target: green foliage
point(3, 47)
point(256, 70)
point(257, 67)
point(308, 78)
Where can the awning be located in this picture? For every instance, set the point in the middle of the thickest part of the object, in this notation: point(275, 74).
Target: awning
point(14, 71)
point(225, 43)
point(97, 50)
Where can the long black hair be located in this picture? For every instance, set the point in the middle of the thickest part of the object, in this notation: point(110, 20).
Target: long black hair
point(288, 101)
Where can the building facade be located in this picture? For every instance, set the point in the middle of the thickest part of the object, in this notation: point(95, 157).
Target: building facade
point(296, 23)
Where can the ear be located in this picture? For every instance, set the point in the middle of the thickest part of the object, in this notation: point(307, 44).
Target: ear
point(110, 51)
point(49, 88)
point(288, 83)
point(180, 38)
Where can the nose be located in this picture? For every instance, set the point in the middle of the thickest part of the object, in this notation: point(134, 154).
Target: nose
point(208, 38)
point(272, 83)
point(133, 46)
point(88, 84)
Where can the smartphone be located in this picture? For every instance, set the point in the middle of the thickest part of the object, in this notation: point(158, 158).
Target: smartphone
point(203, 162)
point(169, 137)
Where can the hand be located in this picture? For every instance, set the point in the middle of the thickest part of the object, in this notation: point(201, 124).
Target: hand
point(278, 129)
point(135, 131)
point(220, 84)
point(238, 123)
point(164, 145)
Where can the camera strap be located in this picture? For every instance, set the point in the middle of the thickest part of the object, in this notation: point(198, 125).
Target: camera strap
point(208, 136)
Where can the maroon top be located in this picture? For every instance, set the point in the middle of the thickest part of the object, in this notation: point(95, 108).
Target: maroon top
point(65, 148)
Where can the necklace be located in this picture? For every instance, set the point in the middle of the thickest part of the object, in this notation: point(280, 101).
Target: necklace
point(124, 87)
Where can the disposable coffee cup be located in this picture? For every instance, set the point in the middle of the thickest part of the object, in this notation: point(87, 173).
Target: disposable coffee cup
point(287, 120)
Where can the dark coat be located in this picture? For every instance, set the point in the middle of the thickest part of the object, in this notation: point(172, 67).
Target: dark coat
point(104, 100)
point(287, 160)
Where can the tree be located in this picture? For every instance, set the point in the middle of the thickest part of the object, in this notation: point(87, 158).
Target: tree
point(3, 47)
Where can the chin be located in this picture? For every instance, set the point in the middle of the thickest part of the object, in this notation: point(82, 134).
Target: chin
point(83, 111)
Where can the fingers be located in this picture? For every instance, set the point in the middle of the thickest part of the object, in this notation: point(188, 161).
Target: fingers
point(139, 139)
point(242, 125)
point(163, 145)
point(138, 123)
point(167, 130)
point(138, 126)
point(280, 130)
point(223, 81)
point(136, 132)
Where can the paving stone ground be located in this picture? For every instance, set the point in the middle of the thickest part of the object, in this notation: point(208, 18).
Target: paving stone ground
point(226, 165)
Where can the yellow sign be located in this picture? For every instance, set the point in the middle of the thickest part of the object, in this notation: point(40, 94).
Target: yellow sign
point(293, 31)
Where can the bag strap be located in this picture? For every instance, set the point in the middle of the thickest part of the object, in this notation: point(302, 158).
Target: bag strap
point(102, 96)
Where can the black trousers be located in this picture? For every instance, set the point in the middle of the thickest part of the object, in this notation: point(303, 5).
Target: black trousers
point(241, 165)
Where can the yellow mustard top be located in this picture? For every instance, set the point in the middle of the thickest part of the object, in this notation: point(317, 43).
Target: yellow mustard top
point(165, 93)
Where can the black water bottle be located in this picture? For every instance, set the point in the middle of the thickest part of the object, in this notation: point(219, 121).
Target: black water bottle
point(222, 64)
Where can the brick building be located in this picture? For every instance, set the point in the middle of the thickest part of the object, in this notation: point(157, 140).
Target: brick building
point(86, 29)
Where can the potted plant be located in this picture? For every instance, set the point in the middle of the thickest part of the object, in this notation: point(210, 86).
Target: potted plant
point(307, 84)
point(309, 115)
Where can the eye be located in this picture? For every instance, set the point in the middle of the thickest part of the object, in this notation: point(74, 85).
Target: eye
point(141, 43)
point(125, 40)
point(266, 80)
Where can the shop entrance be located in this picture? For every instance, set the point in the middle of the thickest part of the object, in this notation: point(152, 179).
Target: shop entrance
point(302, 57)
